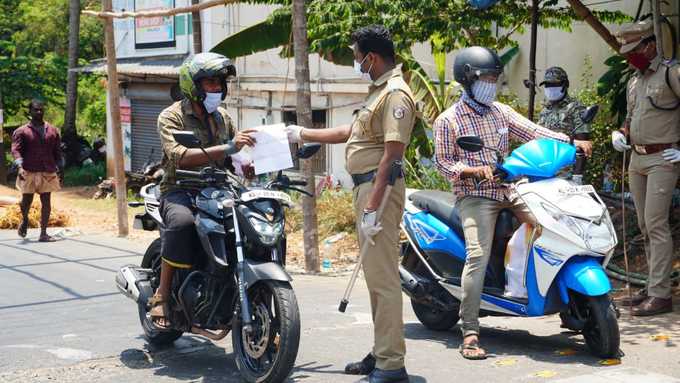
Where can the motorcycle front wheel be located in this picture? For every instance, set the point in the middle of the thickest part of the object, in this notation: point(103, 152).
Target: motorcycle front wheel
point(267, 353)
point(601, 330)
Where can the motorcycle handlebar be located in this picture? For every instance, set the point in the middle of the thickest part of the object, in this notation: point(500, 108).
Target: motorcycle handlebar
point(187, 173)
point(298, 183)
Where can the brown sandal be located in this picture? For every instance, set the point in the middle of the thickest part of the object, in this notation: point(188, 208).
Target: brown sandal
point(472, 351)
point(47, 238)
point(159, 308)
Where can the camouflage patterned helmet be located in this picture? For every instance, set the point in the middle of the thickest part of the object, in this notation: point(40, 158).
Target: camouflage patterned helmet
point(200, 66)
point(555, 76)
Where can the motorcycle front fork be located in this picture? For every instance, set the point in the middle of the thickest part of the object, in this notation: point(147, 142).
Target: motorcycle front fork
point(241, 277)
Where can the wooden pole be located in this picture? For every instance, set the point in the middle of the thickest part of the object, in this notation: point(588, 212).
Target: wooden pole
point(158, 13)
point(3, 166)
point(584, 13)
point(304, 118)
point(656, 14)
point(532, 58)
point(196, 26)
point(114, 105)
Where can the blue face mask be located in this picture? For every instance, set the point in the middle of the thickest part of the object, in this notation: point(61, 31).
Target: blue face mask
point(484, 92)
point(357, 68)
point(212, 101)
point(554, 93)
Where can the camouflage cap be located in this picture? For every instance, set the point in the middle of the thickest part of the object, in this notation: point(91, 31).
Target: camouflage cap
point(631, 35)
point(555, 75)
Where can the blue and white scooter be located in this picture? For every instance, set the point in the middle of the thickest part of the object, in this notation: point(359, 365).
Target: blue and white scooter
point(567, 251)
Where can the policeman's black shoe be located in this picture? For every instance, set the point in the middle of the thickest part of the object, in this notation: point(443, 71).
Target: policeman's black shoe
point(365, 367)
point(387, 376)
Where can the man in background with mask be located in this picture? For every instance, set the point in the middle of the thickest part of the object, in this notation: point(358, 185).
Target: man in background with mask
point(203, 81)
point(561, 112)
point(652, 131)
point(478, 204)
point(377, 138)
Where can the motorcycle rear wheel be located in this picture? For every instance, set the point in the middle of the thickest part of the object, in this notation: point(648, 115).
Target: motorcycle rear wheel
point(268, 354)
point(433, 318)
point(156, 337)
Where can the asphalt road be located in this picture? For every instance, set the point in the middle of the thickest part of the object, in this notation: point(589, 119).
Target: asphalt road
point(61, 319)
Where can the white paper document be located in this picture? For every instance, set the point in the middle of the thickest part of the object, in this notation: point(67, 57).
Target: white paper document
point(271, 151)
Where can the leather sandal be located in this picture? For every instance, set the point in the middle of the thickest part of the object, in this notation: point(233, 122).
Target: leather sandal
point(472, 351)
point(158, 312)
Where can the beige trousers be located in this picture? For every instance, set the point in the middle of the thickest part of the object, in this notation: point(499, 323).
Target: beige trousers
point(381, 268)
point(478, 217)
point(652, 181)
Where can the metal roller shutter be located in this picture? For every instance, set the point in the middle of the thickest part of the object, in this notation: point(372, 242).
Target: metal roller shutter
point(144, 133)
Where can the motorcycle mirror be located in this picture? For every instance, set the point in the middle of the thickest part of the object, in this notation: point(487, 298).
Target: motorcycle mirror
point(187, 139)
point(307, 150)
point(470, 143)
point(588, 115)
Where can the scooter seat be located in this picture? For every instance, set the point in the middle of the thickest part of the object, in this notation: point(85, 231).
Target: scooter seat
point(441, 205)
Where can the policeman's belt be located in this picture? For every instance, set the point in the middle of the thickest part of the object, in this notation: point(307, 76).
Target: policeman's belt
point(651, 149)
point(362, 178)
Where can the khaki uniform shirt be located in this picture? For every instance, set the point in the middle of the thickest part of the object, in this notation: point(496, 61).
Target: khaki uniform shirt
point(649, 125)
point(180, 116)
point(564, 116)
point(388, 114)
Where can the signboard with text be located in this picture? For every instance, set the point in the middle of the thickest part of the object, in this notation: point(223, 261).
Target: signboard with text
point(154, 32)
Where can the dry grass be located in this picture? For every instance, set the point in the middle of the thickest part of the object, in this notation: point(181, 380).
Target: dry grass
point(11, 217)
point(335, 214)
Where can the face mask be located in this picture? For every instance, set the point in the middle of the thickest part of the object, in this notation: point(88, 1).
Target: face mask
point(554, 93)
point(484, 92)
point(638, 60)
point(357, 68)
point(212, 101)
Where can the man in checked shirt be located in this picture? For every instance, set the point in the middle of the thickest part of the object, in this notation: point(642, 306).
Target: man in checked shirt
point(476, 113)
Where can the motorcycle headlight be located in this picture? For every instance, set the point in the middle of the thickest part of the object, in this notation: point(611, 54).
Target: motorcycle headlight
point(268, 232)
point(567, 221)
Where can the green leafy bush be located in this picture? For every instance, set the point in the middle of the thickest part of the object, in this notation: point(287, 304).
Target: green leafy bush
point(87, 175)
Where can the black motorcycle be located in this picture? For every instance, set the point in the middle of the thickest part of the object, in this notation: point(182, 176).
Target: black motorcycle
point(238, 283)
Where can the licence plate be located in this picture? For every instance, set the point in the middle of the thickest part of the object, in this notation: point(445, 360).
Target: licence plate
point(578, 189)
point(267, 194)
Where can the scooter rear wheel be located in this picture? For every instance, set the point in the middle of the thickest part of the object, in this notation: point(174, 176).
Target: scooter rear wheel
point(434, 318)
point(601, 330)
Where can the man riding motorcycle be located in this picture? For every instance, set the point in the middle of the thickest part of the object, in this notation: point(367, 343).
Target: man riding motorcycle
point(203, 81)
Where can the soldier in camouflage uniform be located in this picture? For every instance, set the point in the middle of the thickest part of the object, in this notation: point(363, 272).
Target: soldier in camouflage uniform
point(561, 112)
point(203, 81)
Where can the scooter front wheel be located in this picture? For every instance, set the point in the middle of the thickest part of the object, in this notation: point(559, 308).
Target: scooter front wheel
point(601, 330)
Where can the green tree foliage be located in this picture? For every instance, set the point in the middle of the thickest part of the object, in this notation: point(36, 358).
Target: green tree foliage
point(33, 53)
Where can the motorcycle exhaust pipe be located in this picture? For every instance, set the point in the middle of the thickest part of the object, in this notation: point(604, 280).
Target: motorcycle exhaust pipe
point(127, 279)
point(411, 284)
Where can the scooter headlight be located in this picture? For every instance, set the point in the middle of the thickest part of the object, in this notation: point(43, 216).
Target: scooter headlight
point(567, 221)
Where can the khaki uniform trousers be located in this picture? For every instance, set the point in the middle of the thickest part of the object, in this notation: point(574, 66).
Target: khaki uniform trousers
point(381, 269)
point(478, 216)
point(652, 181)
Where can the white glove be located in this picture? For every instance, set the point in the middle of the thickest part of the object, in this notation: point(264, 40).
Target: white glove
point(619, 141)
point(294, 133)
point(369, 225)
point(671, 155)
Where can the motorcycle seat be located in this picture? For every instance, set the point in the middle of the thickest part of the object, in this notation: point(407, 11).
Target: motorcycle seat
point(441, 205)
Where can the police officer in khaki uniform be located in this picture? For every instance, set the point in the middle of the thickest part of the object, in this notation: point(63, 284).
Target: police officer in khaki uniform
point(375, 140)
point(652, 130)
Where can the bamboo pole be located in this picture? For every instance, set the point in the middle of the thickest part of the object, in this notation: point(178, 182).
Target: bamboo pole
point(584, 13)
point(109, 14)
point(117, 136)
point(532, 58)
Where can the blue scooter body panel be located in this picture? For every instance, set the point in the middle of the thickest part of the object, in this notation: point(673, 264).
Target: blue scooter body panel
point(432, 234)
point(539, 159)
point(584, 275)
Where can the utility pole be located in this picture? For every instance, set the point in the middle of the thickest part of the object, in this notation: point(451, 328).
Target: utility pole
point(114, 105)
point(304, 118)
point(196, 26)
point(658, 32)
point(532, 58)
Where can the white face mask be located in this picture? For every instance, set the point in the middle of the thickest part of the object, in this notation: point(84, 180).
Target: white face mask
point(212, 101)
point(554, 93)
point(484, 92)
point(357, 68)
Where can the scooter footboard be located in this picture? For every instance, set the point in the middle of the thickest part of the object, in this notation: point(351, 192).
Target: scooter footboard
point(584, 275)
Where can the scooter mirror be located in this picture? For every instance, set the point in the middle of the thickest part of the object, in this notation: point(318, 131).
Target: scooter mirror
point(588, 115)
point(186, 139)
point(470, 143)
point(307, 150)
